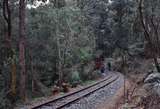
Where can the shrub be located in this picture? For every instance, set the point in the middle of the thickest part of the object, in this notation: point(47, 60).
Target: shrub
point(75, 78)
point(85, 55)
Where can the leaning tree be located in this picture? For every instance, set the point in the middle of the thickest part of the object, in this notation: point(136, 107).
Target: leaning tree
point(150, 21)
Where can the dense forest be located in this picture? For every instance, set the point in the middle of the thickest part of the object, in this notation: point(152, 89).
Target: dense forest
point(48, 45)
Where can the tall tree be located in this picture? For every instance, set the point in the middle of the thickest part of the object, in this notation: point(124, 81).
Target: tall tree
point(149, 17)
point(22, 36)
point(59, 4)
point(7, 17)
point(8, 47)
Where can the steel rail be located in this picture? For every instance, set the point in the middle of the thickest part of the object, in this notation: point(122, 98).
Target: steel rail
point(85, 94)
point(73, 93)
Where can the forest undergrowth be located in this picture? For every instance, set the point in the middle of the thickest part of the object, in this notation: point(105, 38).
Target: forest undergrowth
point(140, 95)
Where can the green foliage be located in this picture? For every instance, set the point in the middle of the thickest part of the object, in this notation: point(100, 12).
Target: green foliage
point(66, 26)
point(85, 55)
point(96, 74)
point(69, 33)
point(75, 78)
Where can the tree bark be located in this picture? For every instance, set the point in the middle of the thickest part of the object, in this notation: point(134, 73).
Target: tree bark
point(37, 86)
point(157, 64)
point(8, 28)
point(10, 83)
point(22, 49)
point(60, 81)
point(149, 37)
point(7, 17)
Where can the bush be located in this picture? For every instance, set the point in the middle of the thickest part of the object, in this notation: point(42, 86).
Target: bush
point(75, 78)
point(96, 74)
point(85, 55)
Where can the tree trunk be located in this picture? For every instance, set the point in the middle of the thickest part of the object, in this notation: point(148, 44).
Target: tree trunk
point(154, 49)
point(37, 86)
point(7, 17)
point(157, 64)
point(13, 77)
point(22, 49)
point(8, 49)
point(59, 61)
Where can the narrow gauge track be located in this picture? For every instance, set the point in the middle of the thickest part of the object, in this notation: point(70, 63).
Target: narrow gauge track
point(70, 98)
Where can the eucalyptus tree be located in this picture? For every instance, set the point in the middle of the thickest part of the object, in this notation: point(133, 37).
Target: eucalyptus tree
point(150, 17)
point(97, 13)
point(111, 22)
point(7, 40)
point(67, 40)
point(122, 13)
point(7, 63)
point(22, 47)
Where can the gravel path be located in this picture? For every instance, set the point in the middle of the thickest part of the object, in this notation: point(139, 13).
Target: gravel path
point(93, 100)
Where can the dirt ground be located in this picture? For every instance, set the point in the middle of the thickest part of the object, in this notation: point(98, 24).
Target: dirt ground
point(136, 96)
point(118, 99)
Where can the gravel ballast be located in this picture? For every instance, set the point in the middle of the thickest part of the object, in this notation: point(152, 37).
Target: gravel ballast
point(98, 97)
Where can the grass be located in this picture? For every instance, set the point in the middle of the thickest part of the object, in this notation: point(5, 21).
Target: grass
point(88, 82)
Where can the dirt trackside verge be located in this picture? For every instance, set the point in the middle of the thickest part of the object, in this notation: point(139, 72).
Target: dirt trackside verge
point(117, 100)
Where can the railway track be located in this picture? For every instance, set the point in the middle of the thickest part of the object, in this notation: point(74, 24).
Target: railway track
point(63, 101)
